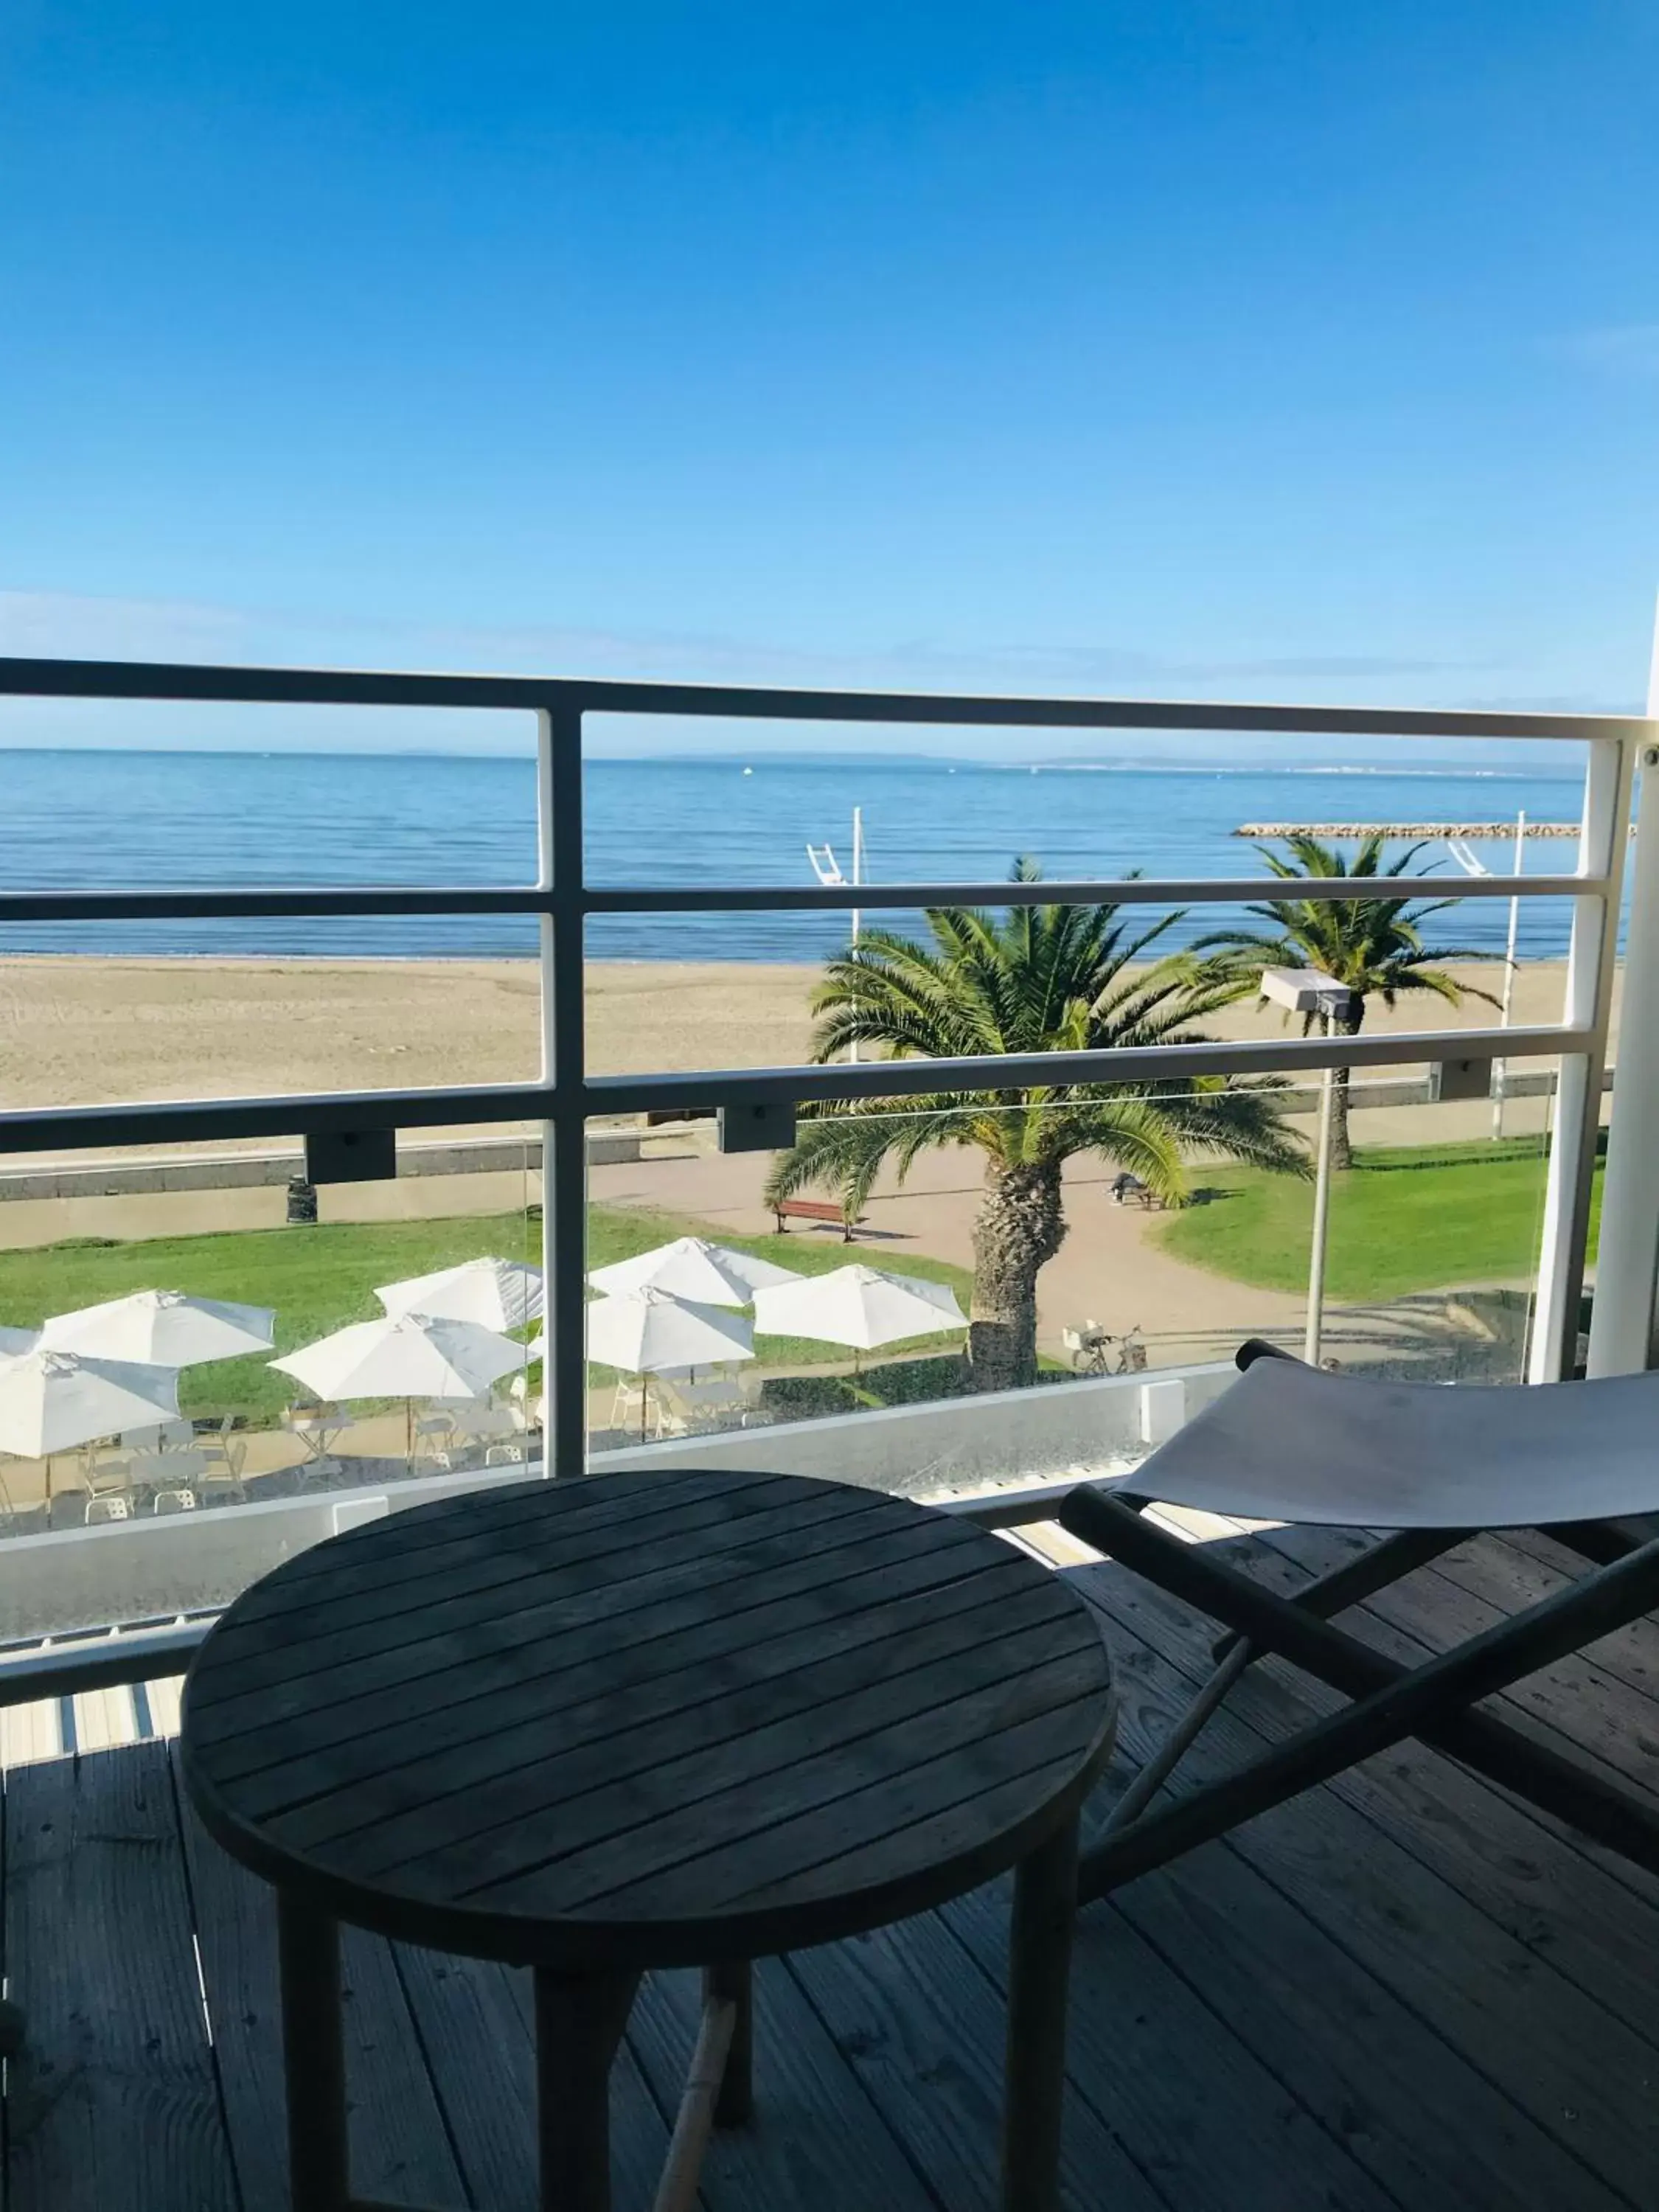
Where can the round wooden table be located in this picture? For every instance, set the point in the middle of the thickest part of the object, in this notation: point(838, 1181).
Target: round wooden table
point(606, 1724)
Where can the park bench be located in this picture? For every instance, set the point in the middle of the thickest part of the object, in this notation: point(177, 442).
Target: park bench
point(815, 1209)
point(1129, 1190)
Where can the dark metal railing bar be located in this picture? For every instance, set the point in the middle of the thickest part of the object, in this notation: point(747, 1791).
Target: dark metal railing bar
point(564, 1185)
point(203, 904)
point(1118, 891)
point(1262, 1057)
point(181, 1120)
point(349, 900)
point(33, 677)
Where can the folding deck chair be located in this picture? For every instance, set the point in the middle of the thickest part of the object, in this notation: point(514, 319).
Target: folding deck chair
point(1289, 1443)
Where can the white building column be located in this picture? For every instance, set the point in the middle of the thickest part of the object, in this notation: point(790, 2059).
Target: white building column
point(1591, 954)
point(1627, 1267)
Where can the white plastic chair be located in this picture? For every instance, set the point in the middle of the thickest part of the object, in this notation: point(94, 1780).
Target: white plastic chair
point(630, 1406)
point(224, 1453)
point(222, 1473)
point(1087, 1346)
point(109, 1484)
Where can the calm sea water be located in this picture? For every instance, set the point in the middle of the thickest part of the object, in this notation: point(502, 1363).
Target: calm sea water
point(115, 819)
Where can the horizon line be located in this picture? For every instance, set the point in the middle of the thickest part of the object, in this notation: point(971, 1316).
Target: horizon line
point(780, 758)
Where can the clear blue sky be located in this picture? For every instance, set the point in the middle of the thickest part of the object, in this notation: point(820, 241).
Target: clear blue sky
point(1248, 349)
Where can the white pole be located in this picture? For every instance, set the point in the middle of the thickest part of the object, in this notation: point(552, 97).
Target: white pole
point(1500, 1074)
point(1622, 1316)
point(1322, 1214)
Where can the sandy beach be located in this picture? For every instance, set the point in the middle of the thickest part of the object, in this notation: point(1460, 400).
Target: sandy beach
point(83, 1030)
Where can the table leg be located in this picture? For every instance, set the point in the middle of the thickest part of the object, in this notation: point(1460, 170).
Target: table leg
point(314, 2056)
point(579, 2018)
point(735, 1982)
point(1039, 1965)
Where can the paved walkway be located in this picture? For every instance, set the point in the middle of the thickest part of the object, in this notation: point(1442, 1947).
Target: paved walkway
point(1111, 1268)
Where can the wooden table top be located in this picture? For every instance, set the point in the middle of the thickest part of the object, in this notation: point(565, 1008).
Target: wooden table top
point(633, 1720)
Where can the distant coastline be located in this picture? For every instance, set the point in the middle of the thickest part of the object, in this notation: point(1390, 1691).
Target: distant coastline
point(879, 758)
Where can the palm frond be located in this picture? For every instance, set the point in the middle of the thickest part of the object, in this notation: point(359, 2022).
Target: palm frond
point(1372, 945)
point(1035, 979)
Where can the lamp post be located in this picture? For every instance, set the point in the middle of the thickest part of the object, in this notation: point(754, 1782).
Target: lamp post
point(827, 868)
point(1310, 991)
point(1458, 847)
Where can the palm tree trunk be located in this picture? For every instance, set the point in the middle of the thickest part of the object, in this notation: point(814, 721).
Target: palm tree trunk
point(1019, 1226)
point(1341, 1149)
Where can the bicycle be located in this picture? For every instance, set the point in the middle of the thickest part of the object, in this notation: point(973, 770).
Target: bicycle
point(1092, 1353)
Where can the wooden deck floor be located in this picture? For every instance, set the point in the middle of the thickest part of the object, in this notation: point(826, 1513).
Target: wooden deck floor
point(1402, 1992)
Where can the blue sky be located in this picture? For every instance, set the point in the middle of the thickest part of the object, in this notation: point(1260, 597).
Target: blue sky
point(1254, 350)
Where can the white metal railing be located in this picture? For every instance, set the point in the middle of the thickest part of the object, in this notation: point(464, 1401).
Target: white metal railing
point(564, 1096)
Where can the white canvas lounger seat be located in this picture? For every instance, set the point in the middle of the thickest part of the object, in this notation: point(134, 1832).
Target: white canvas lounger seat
point(1435, 1465)
point(1289, 1442)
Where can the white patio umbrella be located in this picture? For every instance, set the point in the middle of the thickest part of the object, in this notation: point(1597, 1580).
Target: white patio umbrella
point(406, 1356)
point(50, 1402)
point(495, 1293)
point(862, 1307)
point(691, 1267)
point(161, 1328)
point(651, 1332)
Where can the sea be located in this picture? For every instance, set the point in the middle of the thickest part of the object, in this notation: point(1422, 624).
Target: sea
point(122, 819)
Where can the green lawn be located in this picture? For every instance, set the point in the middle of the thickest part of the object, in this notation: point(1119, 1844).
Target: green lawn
point(321, 1277)
point(1427, 1217)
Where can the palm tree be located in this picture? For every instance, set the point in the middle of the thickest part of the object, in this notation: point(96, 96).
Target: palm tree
point(1035, 979)
point(1374, 945)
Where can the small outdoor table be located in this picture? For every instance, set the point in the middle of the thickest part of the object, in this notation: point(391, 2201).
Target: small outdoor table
point(606, 1724)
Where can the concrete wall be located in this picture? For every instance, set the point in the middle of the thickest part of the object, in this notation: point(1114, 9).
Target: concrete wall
point(152, 1570)
point(71, 1178)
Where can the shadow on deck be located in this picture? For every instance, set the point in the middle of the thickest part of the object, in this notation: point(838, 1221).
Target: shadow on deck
point(1403, 1991)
